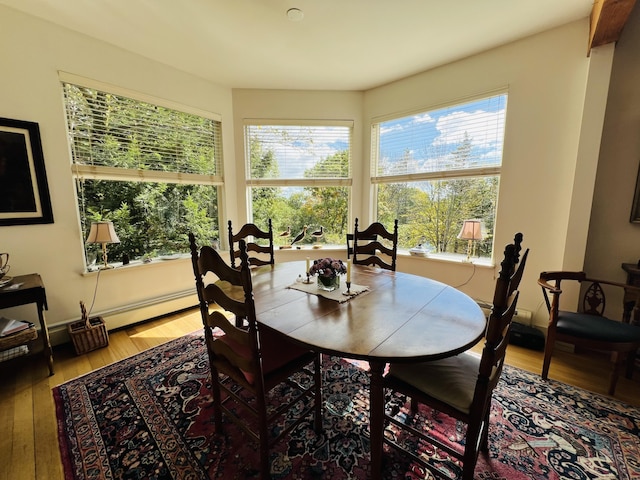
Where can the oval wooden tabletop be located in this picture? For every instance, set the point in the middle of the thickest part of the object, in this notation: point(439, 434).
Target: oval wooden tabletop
point(402, 317)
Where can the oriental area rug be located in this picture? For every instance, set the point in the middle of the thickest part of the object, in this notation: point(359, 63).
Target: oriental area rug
point(150, 417)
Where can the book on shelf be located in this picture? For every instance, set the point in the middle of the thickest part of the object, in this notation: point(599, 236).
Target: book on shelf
point(9, 326)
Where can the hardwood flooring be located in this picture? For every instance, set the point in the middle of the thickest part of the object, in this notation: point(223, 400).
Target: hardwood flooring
point(28, 431)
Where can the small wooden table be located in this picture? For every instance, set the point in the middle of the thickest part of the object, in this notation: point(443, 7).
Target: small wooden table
point(633, 278)
point(403, 318)
point(31, 290)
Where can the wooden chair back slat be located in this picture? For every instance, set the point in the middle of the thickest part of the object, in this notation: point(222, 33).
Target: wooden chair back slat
point(250, 232)
point(368, 249)
point(350, 242)
point(244, 364)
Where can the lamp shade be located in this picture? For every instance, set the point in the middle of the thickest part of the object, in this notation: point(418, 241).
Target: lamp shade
point(471, 230)
point(102, 232)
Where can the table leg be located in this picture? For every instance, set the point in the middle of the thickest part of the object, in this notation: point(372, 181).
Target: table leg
point(376, 417)
point(46, 343)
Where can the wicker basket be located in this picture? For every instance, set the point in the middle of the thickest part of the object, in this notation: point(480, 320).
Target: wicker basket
point(19, 338)
point(89, 335)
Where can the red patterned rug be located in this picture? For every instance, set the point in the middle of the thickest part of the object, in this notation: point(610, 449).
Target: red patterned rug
point(149, 417)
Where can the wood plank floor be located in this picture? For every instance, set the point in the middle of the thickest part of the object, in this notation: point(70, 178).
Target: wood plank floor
point(28, 431)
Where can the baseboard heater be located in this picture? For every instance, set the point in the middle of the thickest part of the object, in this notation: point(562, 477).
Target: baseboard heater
point(131, 314)
point(521, 316)
point(522, 334)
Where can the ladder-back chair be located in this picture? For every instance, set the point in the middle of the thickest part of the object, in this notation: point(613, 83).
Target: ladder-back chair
point(250, 233)
point(459, 386)
point(248, 363)
point(372, 252)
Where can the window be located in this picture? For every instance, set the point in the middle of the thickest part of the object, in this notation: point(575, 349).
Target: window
point(433, 170)
point(152, 169)
point(300, 175)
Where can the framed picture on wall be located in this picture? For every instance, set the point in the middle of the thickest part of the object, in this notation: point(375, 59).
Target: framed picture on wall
point(24, 192)
point(635, 207)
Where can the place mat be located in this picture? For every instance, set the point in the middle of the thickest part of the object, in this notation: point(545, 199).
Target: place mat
point(333, 295)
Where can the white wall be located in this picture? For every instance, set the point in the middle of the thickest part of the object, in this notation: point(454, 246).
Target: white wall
point(547, 77)
point(32, 52)
point(548, 80)
point(612, 239)
point(287, 105)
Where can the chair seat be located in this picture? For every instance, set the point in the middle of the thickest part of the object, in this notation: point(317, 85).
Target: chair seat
point(276, 350)
point(450, 380)
point(594, 327)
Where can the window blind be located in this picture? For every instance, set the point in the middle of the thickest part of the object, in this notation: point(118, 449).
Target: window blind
point(466, 138)
point(279, 151)
point(109, 131)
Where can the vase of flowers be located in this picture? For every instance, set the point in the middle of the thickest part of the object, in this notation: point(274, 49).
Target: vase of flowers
point(328, 271)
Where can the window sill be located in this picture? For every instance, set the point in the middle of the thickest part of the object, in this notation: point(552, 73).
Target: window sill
point(305, 250)
point(118, 266)
point(450, 258)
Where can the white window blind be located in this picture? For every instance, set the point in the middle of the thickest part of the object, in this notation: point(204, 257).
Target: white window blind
point(455, 141)
point(296, 152)
point(114, 137)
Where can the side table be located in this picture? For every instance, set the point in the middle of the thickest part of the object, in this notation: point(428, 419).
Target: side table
point(30, 290)
point(633, 279)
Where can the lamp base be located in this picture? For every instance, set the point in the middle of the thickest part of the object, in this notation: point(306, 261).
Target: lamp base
point(104, 258)
point(469, 247)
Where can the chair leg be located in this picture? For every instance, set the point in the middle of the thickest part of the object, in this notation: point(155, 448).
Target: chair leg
point(619, 362)
point(631, 362)
point(265, 464)
point(548, 352)
point(217, 400)
point(317, 422)
point(545, 364)
point(484, 439)
point(473, 442)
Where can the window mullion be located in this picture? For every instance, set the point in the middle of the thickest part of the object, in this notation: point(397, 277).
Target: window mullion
point(284, 182)
point(98, 172)
point(442, 174)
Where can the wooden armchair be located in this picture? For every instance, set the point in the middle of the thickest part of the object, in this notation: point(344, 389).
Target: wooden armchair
point(372, 252)
point(459, 386)
point(248, 363)
point(589, 328)
point(250, 232)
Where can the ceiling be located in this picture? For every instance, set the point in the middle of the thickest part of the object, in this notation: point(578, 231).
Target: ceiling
point(337, 45)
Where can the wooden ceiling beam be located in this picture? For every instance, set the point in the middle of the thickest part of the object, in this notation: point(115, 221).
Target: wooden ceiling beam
point(608, 18)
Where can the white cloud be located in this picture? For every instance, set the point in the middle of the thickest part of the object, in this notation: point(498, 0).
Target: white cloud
point(483, 128)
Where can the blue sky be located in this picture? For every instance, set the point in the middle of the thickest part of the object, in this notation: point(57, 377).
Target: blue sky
point(430, 138)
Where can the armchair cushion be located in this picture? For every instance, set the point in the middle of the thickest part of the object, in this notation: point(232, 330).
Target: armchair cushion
point(594, 327)
point(451, 380)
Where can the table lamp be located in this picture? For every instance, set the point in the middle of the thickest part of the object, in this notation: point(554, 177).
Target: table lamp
point(103, 232)
point(471, 231)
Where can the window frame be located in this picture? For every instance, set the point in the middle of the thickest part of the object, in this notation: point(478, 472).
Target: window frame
point(296, 182)
point(81, 172)
point(442, 174)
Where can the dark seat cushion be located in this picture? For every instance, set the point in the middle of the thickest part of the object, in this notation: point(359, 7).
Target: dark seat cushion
point(596, 328)
point(276, 349)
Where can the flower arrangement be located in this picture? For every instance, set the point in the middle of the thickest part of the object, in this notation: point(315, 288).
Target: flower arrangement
point(327, 268)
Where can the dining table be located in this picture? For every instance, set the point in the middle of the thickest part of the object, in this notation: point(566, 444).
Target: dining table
point(394, 317)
